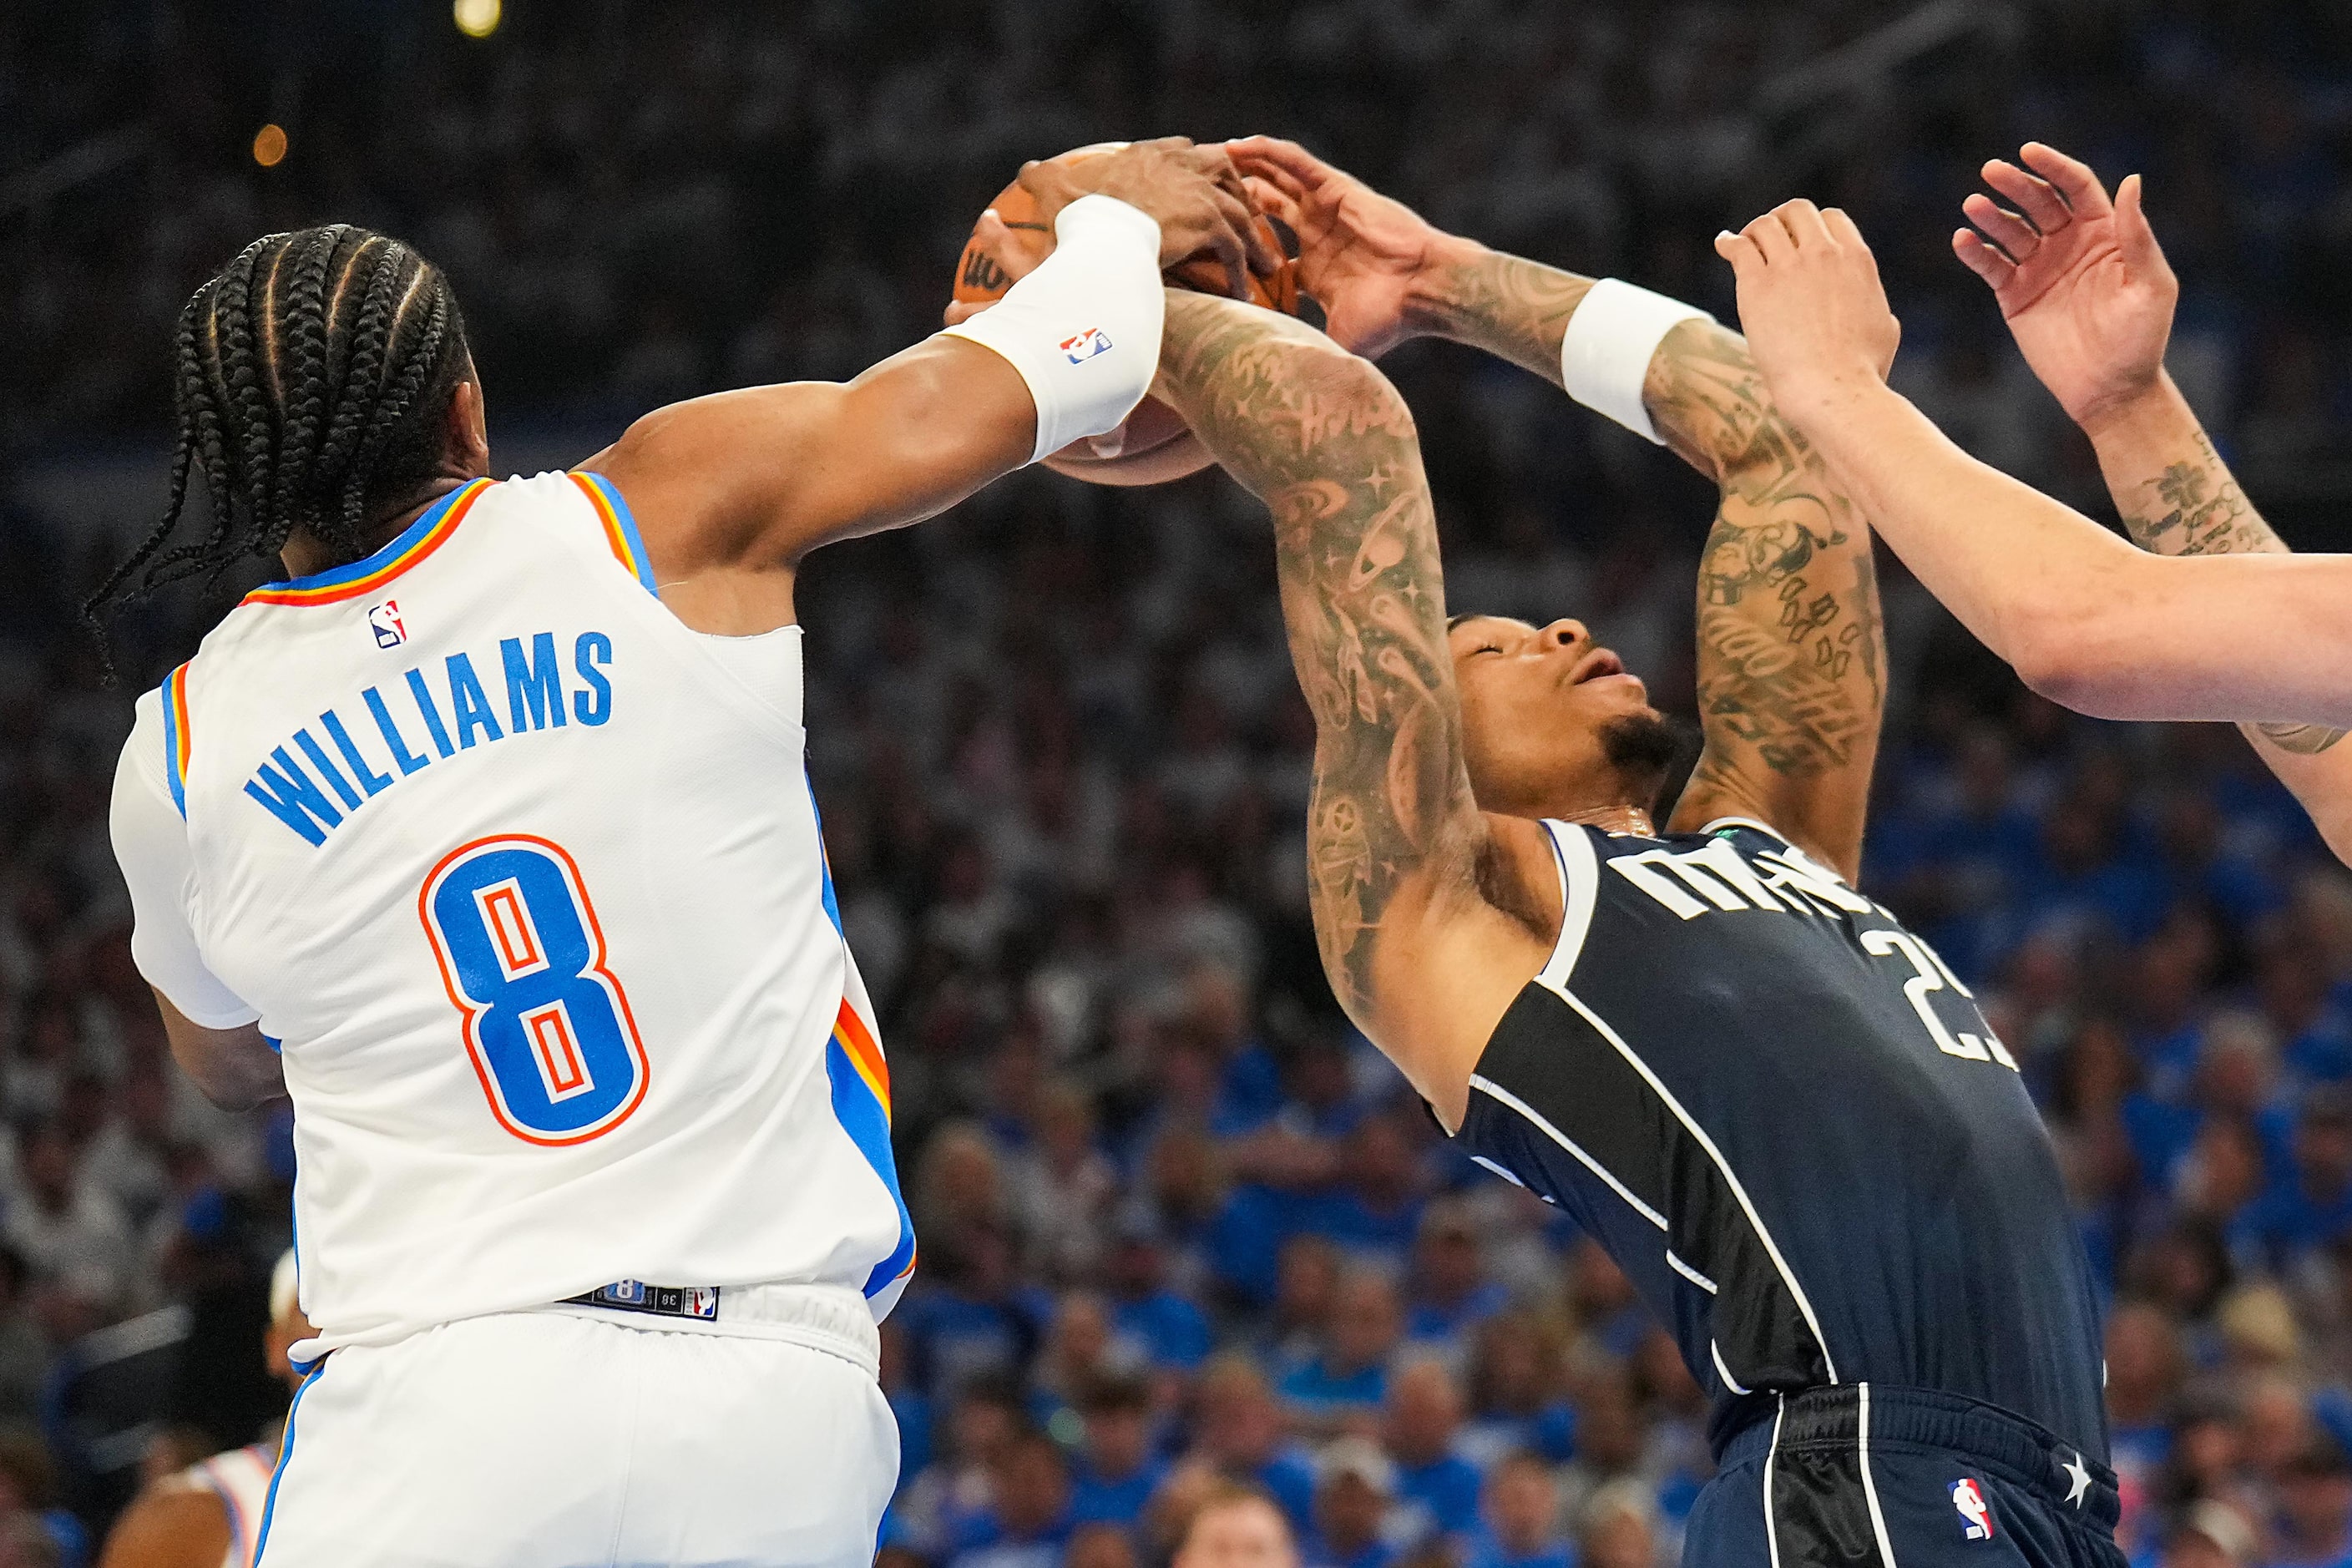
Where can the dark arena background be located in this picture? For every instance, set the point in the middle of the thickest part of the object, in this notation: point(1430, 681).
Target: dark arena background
point(1175, 1209)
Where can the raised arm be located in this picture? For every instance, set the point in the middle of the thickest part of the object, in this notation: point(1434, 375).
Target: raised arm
point(2089, 296)
point(1397, 849)
point(2086, 618)
point(1790, 647)
point(743, 484)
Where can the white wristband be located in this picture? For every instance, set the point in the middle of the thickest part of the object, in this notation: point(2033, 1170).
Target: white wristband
point(1084, 328)
point(1604, 355)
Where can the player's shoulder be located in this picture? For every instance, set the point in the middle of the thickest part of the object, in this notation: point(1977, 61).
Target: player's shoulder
point(178, 1520)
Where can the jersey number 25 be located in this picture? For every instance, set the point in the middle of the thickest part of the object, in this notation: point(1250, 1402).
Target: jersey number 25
point(547, 1025)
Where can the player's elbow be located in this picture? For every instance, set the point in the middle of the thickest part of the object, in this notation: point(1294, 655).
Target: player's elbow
point(2070, 663)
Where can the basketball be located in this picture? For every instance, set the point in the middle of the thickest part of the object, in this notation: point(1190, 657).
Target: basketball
point(1152, 445)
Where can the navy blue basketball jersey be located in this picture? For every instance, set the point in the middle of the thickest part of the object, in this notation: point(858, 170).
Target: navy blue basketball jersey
point(1790, 1124)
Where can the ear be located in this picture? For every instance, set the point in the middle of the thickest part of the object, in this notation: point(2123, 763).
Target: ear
point(466, 441)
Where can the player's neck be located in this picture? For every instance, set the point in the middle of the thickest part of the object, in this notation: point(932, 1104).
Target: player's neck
point(1615, 819)
point(304, 553)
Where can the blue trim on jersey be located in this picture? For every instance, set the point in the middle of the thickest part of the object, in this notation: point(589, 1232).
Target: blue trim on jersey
point(621, 514)
point(869, 1126)
point(336, 576)
point(172, 747)
point(824, 862)
point(285, 1452)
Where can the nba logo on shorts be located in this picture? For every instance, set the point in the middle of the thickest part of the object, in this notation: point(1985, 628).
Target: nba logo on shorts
point(384, 621)
point(1975, 1514)
point(1086, 345)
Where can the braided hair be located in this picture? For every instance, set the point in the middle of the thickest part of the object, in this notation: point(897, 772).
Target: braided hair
point(311, 382)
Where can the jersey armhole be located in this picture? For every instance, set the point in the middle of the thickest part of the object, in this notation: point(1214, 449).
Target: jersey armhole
point(619, 526)
point(1580, 885)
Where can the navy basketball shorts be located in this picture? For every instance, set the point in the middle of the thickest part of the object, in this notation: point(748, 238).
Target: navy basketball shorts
point(1868, 1476)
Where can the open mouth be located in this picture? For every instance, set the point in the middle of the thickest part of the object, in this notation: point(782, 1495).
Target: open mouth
point(1595, 665)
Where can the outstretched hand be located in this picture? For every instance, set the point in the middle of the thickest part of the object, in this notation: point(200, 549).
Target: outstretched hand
point(2081, 281)
point(1360, 252)
point(1811, 304)
point(1193, 192)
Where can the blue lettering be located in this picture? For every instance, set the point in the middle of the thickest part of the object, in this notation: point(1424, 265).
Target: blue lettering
point(292, 798)
point(532, 687)
point(335, 780)
point(471, 702)
point(372, 781)
point(417, 688)
point(408, 762)
point(596, 705)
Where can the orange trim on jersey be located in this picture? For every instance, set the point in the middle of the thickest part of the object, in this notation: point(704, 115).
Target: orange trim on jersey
point(175, 699)
point(620, 531)
point(427, 534)
point(864, 1053)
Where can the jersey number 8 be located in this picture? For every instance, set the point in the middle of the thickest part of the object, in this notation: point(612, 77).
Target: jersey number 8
point(547, 1025)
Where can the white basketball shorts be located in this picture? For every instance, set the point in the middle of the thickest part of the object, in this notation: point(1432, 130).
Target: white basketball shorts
point(571, 1438)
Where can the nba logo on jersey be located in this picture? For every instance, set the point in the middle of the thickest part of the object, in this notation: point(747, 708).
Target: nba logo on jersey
point(703, 1302)
point(1086, 345)
point(1976, 1515)
point(384, 621)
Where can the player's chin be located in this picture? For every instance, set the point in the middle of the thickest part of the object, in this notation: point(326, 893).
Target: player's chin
point(1606, 697)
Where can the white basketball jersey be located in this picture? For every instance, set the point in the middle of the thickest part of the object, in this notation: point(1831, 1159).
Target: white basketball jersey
point(240, 1479)
point(525, 879)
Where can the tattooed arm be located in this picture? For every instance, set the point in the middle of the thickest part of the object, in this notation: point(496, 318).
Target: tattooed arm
point(1791, 660)
point(1398, 851)
point(1791, 652)
point(2088, 295)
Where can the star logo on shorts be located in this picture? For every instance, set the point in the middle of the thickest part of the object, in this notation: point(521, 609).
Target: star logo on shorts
point(2079, 1477)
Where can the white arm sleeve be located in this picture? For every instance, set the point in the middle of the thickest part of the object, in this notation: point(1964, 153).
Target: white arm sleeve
point(150, 844)
point(1084, 328)
point(1604, 355)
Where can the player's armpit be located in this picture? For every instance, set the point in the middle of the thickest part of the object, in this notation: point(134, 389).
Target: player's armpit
point(169, 1526)
point(235, 1067)
point(1791, 648)
point(757, 478)
point(1415, 952)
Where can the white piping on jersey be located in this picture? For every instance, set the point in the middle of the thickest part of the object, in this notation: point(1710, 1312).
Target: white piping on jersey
point(1690, 1124)
point(1579, 883)
point(1723, 1371)
point(1870, 1486)
point(1771, 1531)
point(1531, 1115)
point(1496, 1092)
point(1687, 1272)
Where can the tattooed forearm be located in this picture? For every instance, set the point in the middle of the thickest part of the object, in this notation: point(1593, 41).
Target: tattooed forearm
point(1321, 437)
point(2195, 507)
point(1791, 652)
point(1515, 309)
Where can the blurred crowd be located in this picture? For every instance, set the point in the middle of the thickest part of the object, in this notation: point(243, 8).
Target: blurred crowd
point(1179, 1221)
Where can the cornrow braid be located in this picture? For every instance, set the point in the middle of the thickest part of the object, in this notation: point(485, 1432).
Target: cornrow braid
point(310, 384)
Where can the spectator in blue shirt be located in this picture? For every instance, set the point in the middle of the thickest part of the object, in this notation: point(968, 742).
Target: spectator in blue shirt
point(1418, 1426)
point(2314, 1517)
point(1239, 1430)
point(1169, 1329)
point(1517, 1392)
point(1028, 1518)
point(1349, 1374)
point(2314, 1207)
point(1519, 1518)
point(1451, 1294)
point(1116, 1473)
point(1354, 1495)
